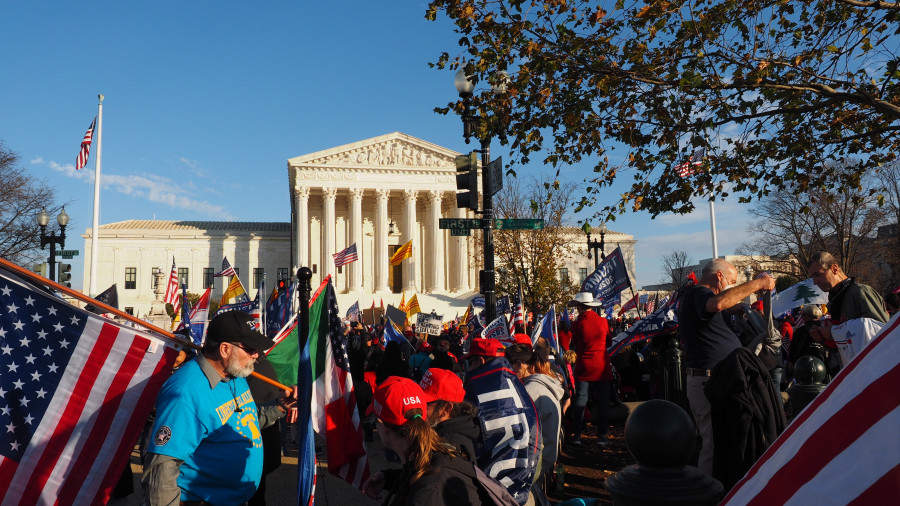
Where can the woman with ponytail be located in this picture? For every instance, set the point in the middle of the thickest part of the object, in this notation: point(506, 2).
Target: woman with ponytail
point(433, 473)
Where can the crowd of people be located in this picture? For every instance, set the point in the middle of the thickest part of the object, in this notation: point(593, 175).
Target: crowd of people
point(469, 420)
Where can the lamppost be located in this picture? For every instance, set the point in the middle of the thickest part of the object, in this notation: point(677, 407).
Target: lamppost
point(471, 122)
point(749, 273)
point(596, 247)
point(53, 239)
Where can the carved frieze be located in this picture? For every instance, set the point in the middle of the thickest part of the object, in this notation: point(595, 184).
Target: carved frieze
point(390, 153)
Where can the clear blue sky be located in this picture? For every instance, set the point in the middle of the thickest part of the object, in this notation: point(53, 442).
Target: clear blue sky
point(206, 101)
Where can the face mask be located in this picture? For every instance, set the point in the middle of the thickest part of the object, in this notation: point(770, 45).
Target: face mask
point(727, 287)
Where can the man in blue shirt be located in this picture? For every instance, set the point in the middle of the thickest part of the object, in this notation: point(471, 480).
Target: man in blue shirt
point(205, 446)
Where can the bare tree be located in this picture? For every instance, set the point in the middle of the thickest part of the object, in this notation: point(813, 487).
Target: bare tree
point(21, 198)
point(889, 180)
point(675, 268)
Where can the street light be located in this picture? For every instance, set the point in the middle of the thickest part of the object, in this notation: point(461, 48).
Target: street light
point(597, 247)
point(52, 238)
point(471, 122)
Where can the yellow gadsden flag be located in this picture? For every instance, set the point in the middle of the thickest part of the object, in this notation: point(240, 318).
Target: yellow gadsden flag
point(235, 289)
point(404, 251)
point(412, 307)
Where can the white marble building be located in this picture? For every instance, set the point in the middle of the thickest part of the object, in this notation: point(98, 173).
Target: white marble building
point(377, 193)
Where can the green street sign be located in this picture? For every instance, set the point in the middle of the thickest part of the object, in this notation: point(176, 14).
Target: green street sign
point(459, 231)
point(460, 223)
point(518, 224)
point(68, 253)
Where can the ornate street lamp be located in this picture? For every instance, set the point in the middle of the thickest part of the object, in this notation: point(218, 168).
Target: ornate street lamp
point(597, 247)
point(52, 238)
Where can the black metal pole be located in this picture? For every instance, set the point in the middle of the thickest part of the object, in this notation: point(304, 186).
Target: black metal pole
point(488, 281)
point(52, 273)
point(304, 275)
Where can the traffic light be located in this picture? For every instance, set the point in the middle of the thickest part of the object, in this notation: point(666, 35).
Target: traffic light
point(64, 274)
point(467, 180)
point(40, 268)
point(282, 286)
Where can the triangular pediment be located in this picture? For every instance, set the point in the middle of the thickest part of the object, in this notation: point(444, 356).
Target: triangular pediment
point(391, 150)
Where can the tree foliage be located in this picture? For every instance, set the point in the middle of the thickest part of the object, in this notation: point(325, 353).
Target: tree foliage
point(534, 257)
point(771, 89)
point(676, 266)
point(21, 199)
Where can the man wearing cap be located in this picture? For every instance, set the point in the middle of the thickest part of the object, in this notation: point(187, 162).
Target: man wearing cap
point(206, 446)
point(593, 373)
point(708, 339)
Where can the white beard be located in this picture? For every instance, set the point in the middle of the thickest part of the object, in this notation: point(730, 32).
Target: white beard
point(234, 369)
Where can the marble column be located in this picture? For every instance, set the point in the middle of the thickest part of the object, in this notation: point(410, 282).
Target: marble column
point(356, 196)
point(410, 226)
point(381, 241)
point(459, 258)
point(301, 217)
point(435, 199)
point(328, 232)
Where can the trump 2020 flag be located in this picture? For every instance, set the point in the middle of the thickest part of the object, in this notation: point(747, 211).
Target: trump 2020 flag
point(499, 330)
point(610, 278)
point(75, 391)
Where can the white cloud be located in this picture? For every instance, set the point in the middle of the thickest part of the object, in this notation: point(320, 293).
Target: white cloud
point(37, 161)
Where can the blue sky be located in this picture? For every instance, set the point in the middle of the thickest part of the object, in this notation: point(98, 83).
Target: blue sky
point(206, 101)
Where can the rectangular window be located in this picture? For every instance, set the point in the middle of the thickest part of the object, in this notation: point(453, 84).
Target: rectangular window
point(258, 273)
point(153, 282)
point(582, 275)
point(129, 310)
point(237, 271)
point(183, 276)
point(564, 275)
point(209, 277)
point(283, 273)
point(130, 278)
point(339, 269)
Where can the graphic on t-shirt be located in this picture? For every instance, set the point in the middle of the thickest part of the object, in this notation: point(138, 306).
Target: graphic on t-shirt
point(163, 435)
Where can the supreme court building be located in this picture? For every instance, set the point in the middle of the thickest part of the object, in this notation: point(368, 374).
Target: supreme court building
point(377, 193)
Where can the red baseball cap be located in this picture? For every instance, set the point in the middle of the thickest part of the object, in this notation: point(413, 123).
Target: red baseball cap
point(442, 384)
point(523, 339)
point(485, 347)
point(395, 396)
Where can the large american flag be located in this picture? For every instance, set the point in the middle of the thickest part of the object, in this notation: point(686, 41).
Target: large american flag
point(227, 269)
point(689, 167)
point(171, 296)
point(82, 158)
point(345, 256)
point(843, 448)
point(75, 391)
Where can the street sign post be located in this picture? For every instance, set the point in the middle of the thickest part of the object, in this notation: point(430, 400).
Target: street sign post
point(518, 224)
point(460, 223)
point(68, 253)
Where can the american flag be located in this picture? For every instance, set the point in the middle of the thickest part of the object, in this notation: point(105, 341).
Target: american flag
point(171, 296)
point(651, 304)
point(82, 158)
point(843, 447)
point(689, 167)
point(518, 312)
point(346, 256)
point(75, 391)
point(227, 269)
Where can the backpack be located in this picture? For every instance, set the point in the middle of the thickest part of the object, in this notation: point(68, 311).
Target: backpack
point(489, 486)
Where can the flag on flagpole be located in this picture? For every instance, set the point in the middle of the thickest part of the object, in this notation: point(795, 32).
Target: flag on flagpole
point(499, 330)
point(689, 167)
point(651, 304)
point(345, 256)
point(172, 286)
point(392, 333)
point(631, 304)
point(235, 289)
point(85, 151)
point(402, 253)
point(546, 328)
point(110, 297)
point(68, 436)
point(843, 447)
point(353, 312)
point(227, 269)
point(412, 307)
point(195, 319)
point(518, 313)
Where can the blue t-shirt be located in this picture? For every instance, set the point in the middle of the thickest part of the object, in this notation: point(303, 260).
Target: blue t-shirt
point(220, 446)
point(706, 336)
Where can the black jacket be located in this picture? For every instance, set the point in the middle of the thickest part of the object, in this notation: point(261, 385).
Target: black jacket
point(464, 433)
point(450, 481)
point(747, 414)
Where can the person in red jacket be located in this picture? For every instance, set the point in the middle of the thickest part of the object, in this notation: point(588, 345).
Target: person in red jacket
point(593, 372)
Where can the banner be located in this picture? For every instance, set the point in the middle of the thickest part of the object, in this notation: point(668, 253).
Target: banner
point(659, 322)
point(610, 278)
point(396, 315)
point(429, 323)
point(798, 295)
point(499, 330)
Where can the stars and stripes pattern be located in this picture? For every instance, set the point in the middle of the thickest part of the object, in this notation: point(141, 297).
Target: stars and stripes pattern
point(345, 256)
point(75, 391)
point(689, 167)
point(227, 269)
point(82, 158)
point(518, 312)
point(171, 296)
point(843, 448)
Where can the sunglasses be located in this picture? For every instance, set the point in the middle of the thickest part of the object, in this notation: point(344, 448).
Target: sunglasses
point(249, 351)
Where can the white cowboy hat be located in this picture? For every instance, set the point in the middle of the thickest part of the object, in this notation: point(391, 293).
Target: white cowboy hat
point(585, 298)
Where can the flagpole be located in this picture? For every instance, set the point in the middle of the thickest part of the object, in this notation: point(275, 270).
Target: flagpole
point(712, 225)
point(96, 222)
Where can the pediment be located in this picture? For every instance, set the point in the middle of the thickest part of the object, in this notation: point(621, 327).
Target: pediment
point(391, 150)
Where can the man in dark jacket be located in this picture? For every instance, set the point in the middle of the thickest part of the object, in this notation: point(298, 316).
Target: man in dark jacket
point(847, 299)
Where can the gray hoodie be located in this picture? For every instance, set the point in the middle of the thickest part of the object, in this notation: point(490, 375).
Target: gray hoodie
point(546, 392)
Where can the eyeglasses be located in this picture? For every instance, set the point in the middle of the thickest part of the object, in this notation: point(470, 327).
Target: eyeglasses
point(249, 351)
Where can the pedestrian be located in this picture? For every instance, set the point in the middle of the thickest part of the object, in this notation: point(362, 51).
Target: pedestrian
point(593, 372)
point(453, 418)
point(847, 299)
point(205, 445)
point(433, 473)
point(708, 339)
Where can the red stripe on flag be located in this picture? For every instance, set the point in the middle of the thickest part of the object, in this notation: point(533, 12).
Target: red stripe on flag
point(105, 416)
point(885, 490)
point(8, 469)
point(136, 422)
point(832, 438)
point(71, 415)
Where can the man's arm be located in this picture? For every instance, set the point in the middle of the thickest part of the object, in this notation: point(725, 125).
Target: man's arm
point(735, 295)
point(160, 480)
